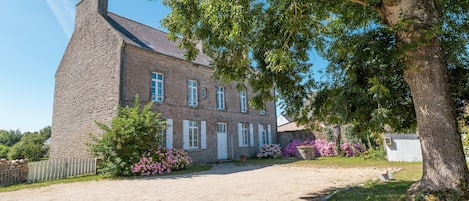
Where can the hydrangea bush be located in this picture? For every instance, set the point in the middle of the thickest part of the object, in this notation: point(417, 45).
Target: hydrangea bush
point(269, 150)
point(323, 148)
point(161, 161)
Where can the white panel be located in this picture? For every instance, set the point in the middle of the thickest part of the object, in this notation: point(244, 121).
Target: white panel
point(203, 135)
point(185, 134)
point(240, 134)
point(269, 134)
point(251, 135)
point(169, 133)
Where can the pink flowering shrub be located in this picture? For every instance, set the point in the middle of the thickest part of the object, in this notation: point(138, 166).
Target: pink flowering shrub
point(269, 150)
point(161, 161)
point(351, 150)
point(290, 149)
point(325, 148)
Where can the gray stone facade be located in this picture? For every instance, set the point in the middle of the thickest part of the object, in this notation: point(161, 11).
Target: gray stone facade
point(110, 59)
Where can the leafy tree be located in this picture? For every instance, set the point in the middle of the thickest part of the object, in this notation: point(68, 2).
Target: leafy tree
point(392, 62)
point(133, 132)
point(46, 132)
point(29, 147)
point(9, 138)
point(4, 150)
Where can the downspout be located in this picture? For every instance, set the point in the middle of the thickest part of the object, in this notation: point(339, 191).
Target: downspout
point(122, 75)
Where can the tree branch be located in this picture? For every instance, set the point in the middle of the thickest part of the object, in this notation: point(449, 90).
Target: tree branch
point(378, 9)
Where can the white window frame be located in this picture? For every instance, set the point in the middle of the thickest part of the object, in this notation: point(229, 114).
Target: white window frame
point(243, 101)
point(221, 127)
point(203, 93)
point(245, 134)
point(192, 95)
point(263, 138)
point(157, 87)
point(193, 135)
point(163, 138)
point(220, 98)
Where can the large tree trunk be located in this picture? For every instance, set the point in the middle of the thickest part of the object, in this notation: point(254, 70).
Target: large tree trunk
point(444, 166)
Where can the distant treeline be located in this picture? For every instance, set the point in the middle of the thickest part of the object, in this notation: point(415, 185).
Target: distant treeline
point(27, 145)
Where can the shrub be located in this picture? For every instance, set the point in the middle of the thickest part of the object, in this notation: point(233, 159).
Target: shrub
point(375, 154)
point(325, 148)
point(4, 151)
point(131, 134)
point(290, 149)
point(269, 150)
point(161, 161)
point(351, 150)
point(29, 147)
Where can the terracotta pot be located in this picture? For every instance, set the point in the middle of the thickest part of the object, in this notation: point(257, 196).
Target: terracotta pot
point(242, 158)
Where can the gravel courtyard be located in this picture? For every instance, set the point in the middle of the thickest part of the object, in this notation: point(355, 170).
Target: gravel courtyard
point(223, 182)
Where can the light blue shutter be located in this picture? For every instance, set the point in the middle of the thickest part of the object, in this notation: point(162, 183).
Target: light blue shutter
point(203, 135)
point(261, 140)
point(240, 134)
point(169, 133)
point(185, 134)
point(269, 134)
point(251, 134)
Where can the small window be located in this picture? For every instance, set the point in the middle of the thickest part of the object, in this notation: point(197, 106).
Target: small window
point(204, 92)
point(157, 87)
point(243, 101)
point(192, 98)
point(220, 98)
point(262, 112)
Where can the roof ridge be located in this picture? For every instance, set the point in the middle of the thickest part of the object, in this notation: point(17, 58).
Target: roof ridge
point(137, 22)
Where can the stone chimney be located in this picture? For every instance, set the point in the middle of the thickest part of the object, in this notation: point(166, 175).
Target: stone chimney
point(88, 10)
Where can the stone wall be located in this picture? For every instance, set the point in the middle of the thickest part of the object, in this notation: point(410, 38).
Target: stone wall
point(138, 66)
point(12, 172)
point(87, 82)
point(286, 137)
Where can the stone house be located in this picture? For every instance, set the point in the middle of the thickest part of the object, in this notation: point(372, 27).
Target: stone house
point(110, 59)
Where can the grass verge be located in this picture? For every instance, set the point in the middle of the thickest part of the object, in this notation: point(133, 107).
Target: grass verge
point(191, 169)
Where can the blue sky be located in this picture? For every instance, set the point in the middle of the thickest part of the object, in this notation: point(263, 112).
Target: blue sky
point(33, 38)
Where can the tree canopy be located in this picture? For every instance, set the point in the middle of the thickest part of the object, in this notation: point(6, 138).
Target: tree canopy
point(269, 43)
point(397, 63)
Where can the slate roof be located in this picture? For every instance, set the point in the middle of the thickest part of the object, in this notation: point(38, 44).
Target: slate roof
point(148, 38)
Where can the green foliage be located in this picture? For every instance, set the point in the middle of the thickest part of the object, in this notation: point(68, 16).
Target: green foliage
point(29, 147)
point(9, 138)
point(375, 154)
point(46, 132)
point(269, 43)
point(4, 150)
point(134, 131)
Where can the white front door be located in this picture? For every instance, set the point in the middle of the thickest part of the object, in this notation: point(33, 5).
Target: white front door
point(222, 141)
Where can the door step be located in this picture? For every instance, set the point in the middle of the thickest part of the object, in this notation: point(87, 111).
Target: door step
point(224, 161)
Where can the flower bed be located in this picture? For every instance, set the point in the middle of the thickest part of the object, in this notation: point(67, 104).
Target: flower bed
point(323, 148)
point(161, 161)
point(269, 150)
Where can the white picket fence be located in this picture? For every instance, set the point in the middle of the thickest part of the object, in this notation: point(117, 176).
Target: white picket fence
point(60, 168)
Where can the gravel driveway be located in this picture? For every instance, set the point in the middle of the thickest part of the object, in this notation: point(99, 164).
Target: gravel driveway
point(224, 182)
